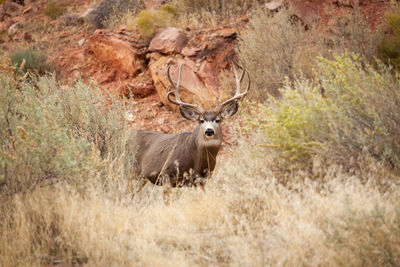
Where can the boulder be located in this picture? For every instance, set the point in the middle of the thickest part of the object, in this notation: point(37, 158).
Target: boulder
point(116, 53)
point(140, 86)
point(189, 51)
point(192, 89)
point(13, 29)
point(4, 25)
point(167, 41)
point(9, 9)
point(274, 4)
point(348, 3)
point(116, 62)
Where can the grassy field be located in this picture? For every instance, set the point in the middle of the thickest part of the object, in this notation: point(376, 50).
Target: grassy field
point(244, 218)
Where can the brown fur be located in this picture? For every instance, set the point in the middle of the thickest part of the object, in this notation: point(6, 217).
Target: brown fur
point(184, 159)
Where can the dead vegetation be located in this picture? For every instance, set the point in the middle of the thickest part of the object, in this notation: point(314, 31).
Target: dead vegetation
point(312, 181)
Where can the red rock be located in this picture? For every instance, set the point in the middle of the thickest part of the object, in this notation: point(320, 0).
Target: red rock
point(140, 86)
point(26, 10)
point(116, 53)
point(274, 4)
point(9, 9)
point(348, 3)
point(165, 129)
point(227, 32)
point(4, 25)
point(189, 51)
point(209, 74)
point(27, 36)
point(192, 88)
point(99, 31)
point(63, 34)
point(167, 41)
point(14, 29)
point(121, 29)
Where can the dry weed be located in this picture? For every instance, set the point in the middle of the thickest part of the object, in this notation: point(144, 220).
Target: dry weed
point(244, 218)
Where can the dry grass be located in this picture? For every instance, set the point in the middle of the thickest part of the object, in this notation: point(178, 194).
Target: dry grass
point(284, 49)
point(245, 218)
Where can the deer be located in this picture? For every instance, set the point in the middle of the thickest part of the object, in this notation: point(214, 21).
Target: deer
point(188, 158)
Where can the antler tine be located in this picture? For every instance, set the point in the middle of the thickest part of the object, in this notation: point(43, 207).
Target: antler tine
point(239, 80)
point(175, 92)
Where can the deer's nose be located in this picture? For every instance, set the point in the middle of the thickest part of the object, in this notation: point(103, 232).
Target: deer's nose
point(209, 132)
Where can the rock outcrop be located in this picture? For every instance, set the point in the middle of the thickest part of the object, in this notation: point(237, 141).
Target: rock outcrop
point(114, 61)
point(192, 89)
point(9, 9)
point(167, 41)
point(124, 65)
point(115, 53)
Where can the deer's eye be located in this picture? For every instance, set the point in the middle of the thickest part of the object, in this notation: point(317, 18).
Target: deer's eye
point(217, 120)
point(201, 121)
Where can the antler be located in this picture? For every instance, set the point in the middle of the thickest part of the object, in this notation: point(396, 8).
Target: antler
point(175, 92)
point(238, 94)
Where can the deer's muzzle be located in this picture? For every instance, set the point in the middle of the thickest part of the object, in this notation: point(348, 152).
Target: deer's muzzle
point(209, 132)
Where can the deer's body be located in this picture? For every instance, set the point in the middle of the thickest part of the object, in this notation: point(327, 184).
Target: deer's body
point(184, 159)
point(188, 158)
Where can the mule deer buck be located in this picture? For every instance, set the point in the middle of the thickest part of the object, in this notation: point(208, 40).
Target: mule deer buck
point(188, 158)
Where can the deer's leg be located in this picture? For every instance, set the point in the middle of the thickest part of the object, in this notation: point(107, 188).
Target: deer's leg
point(166, 190)
point(141, 187)
point(200, 181)
point(202, 186)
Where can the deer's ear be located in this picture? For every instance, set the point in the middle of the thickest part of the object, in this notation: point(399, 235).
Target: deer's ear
point(229, 110)
point(189, 113)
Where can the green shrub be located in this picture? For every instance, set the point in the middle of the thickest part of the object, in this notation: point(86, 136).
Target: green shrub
point(50, 134)
point(148, 21)
point(166, 15)
point(31, 60)
point(389, 47)
point(357, 114)
point(53, 9)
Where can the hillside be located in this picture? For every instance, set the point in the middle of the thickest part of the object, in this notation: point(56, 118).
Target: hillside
point(308, 171)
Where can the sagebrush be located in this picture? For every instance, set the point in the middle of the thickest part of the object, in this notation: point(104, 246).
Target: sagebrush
point(350, 112)
point(51, 134)
point(29, 59)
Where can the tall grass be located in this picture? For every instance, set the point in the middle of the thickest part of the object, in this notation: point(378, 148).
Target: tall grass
point(244, 218)
point(274, 46)
point(220, 8)
point(113, 13)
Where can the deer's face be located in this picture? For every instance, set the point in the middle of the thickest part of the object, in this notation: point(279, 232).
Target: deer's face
point(210, 125)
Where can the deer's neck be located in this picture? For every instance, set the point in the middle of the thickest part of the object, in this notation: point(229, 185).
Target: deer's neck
point(204, 152)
